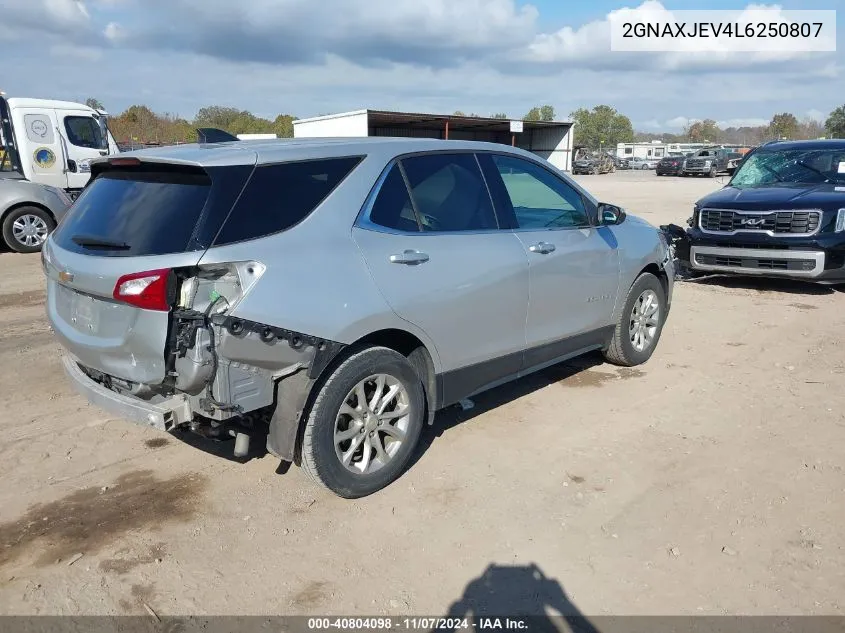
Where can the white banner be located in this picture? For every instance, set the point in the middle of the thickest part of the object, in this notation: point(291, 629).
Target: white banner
point(763, 29)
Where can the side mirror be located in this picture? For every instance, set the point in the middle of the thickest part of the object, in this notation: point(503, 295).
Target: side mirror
point(610, 214)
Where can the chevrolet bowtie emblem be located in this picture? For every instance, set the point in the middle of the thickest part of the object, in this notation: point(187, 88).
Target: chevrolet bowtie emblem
point(65, 276)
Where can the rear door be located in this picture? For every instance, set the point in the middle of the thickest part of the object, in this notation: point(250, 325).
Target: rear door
point(573, 265)
point(442, 263)
point(142, 221)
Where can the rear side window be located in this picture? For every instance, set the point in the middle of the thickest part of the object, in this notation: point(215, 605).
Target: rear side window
point(449, 192)
point(279, 196)
point(140, 212)
point(392, 207)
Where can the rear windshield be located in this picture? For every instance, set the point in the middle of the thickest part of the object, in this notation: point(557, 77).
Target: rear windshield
point(132, 214)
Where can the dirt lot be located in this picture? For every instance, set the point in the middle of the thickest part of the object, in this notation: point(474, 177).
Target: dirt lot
point(708, 481)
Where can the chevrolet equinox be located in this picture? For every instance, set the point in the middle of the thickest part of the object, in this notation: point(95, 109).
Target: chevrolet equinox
point(335, 293)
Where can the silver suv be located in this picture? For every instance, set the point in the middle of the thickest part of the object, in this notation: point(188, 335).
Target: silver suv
point(332, 294)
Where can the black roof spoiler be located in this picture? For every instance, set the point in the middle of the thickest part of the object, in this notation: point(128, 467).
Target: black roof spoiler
point(213, 135)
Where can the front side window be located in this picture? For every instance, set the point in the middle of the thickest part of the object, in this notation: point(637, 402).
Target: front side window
point(84, 131)
point(540, 200)
point(449, 193)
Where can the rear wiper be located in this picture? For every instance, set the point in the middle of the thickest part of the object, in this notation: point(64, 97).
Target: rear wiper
point(89, 241)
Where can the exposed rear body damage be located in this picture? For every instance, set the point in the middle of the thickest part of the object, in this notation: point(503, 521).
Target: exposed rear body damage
point(330, 295)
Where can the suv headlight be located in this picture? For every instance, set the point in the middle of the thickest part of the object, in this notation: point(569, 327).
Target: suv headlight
point(840, 221)
point(707, 163)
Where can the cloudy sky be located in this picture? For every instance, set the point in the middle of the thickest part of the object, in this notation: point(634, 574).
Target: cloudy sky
point(310, 57)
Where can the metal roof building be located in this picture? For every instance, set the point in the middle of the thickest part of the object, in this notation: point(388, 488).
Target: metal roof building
point(551, 140)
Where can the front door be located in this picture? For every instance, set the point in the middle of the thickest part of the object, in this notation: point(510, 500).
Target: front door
point(431, 240)
point(573, 265)
point(84, 141)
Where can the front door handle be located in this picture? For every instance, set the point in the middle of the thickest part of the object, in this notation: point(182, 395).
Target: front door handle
point(544, 248)
point(409, 257)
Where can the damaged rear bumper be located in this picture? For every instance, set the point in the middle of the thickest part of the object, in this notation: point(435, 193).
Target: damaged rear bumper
point(164, 415)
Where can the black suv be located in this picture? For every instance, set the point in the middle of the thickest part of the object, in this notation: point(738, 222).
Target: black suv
point(782, 214)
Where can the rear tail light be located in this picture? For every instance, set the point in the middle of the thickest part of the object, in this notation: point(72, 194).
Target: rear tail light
point(840, 221)
point(149, 290)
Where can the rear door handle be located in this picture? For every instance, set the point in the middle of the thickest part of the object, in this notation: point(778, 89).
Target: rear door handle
point(544, 248)
point(409, 257)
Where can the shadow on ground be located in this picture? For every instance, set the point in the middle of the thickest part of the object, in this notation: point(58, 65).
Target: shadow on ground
point(519, 591)
point(576, 373)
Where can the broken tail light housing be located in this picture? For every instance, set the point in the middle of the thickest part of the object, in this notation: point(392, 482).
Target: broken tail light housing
point(148, 290)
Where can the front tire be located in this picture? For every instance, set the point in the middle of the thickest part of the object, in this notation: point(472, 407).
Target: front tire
point(25, 229)
point(364, 423)
point(638, 331)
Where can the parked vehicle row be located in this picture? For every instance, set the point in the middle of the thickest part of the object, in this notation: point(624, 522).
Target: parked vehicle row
point(337, 293)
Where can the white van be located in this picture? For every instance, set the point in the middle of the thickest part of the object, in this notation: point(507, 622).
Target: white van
point(52, 142)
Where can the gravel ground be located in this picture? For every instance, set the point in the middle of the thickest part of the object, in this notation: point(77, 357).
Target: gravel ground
point(708, 481)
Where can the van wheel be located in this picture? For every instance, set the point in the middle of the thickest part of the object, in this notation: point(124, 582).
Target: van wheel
point(26, 228)
point(364, 424)
point(640, 324)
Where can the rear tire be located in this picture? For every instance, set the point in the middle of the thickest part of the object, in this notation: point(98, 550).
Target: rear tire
point(356, 445)
point(640, 325)
point(26, 228)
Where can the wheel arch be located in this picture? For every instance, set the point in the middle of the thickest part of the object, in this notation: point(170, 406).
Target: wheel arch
point(658, 272)
point(26, 203)
point(410, 346)
point(22, 204)
point(295, 394)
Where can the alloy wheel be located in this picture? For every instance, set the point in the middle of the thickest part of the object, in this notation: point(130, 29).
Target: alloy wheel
point(644, 321)
point(372, 424)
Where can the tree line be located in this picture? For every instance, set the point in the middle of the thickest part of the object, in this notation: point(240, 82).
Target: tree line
point(783, 125)
point(139, 124)
point(600, 127)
